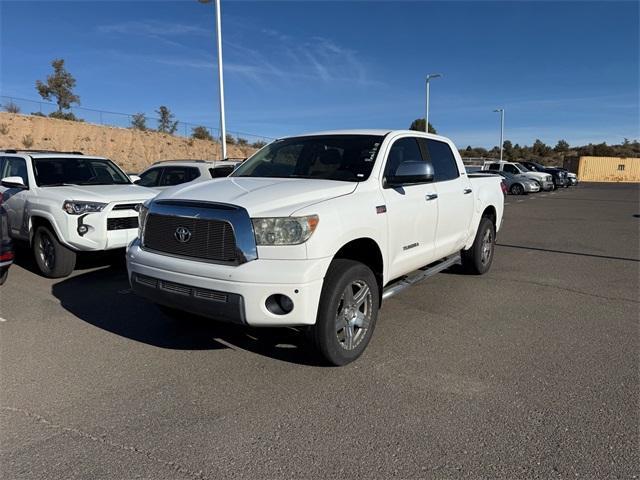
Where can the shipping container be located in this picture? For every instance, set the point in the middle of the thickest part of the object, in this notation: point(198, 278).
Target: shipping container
point(604, 169)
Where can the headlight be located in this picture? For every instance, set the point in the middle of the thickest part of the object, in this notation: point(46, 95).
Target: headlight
point(78, 208)
point(284, 230)
point(143, 211)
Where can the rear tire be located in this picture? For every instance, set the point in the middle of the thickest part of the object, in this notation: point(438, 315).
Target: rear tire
point(347, 313)
point(478, 259)
point(53, 259)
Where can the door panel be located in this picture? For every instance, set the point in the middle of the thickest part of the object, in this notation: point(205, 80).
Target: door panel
point(455, 199)
point(412, 217)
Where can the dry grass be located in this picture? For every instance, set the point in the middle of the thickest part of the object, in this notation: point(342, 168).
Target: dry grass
point(132, 149)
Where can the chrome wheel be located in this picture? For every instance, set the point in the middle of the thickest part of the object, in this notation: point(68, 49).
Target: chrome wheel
point(47, 251)
point(353, 316)
point(487, 246)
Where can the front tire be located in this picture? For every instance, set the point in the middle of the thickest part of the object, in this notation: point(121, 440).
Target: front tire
point(517, 189)
point(347, 313)
point(478, 259)
point(53, 259)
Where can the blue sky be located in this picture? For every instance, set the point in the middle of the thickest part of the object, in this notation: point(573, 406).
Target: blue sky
point(560, 69)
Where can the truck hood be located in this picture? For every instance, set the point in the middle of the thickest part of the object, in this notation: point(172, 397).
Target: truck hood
point(100, 193)
point(278, 197)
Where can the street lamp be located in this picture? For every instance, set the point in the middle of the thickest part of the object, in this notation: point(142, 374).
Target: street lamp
point(501, 112)
point(223, 130)
point(426, 117)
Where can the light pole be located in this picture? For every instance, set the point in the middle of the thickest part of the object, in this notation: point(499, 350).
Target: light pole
point(426, 117)
point(223, 129)
point(501, 112)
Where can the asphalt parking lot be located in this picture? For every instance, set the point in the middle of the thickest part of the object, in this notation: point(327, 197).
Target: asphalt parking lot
point(529, 371)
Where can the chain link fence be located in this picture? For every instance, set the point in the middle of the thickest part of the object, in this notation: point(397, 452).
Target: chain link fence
point(123, 120)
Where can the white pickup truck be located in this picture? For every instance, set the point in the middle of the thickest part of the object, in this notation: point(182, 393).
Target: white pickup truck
point(316, 231)
point(64, 203)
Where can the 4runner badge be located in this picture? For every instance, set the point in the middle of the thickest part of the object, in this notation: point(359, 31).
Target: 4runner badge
point(182, 234)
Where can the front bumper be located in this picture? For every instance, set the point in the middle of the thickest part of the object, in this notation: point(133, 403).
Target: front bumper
point(106, 230)
point(229, 293)
point(546, 185)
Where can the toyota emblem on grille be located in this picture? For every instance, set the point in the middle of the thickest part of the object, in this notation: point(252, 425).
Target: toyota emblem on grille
point(182, 234)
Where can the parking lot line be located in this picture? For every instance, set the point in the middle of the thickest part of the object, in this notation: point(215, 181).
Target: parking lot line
point(2, 319)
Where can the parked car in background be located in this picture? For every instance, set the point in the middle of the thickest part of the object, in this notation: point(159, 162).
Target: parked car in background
point(559, 175)
point(545, 180)
point(168, 173)
point(519, 184)
point(572, 177)
point(6, 247)
point(315, 231)
point(65, 203)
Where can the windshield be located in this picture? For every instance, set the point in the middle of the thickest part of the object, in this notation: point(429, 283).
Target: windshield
point(348, 158)
point(50, 172)
point(521, 167)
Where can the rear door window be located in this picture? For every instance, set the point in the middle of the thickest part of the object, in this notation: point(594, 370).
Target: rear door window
point(494, 166)
point(177, 175)
point(218, 172)
point(444, 163)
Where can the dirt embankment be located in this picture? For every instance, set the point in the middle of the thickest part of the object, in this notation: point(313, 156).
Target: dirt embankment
point(132, 149)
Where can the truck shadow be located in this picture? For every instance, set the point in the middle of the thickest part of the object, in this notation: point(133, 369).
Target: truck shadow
point(103, 298)
point(84, 260)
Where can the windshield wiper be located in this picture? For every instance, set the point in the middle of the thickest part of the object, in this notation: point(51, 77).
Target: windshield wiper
point(61, 184)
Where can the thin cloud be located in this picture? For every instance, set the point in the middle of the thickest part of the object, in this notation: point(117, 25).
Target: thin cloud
point(153, 27)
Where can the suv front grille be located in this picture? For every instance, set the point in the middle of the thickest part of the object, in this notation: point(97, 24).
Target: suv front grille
point(122, 223)
point(207, 239)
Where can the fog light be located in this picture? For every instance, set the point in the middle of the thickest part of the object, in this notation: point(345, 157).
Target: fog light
point(279, 304)
point(82, 229)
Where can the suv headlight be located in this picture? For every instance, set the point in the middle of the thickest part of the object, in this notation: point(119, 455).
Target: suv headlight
point(143, 211)
point(284, 230)
point(78, 208)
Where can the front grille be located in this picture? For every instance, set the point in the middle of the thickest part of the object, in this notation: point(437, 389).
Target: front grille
point(126, 206)
point(123, 223)
point(211, 240)
point(181, 289)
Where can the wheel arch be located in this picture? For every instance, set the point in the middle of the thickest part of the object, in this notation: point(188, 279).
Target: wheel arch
point(39, 220)
point(366, 251)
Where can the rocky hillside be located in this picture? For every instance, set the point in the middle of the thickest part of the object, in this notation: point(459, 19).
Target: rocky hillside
point(133, 150)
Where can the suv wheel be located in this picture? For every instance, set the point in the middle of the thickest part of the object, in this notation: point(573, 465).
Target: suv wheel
point(477, 260)
point(347, 313)
point(53, 259)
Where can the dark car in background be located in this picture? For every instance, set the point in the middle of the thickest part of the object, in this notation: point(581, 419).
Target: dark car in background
point(559, 175)
point(6, 247)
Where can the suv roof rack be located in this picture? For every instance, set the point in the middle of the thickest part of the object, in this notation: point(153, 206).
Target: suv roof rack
point(182, 160)
point(28, 150)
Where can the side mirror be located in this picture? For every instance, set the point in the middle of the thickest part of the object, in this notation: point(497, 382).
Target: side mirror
point(13, 182)
point(410, 172)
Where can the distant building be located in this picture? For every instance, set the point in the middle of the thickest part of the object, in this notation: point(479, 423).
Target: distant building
point(604, 169)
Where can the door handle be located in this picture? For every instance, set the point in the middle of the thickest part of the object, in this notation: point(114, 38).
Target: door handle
point(430, 196)
point(467, 190)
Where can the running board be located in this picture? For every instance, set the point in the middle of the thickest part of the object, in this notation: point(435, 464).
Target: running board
point(420, 275)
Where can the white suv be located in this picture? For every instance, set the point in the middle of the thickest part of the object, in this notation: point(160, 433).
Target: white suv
point(167, 173)
point(63, 203)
